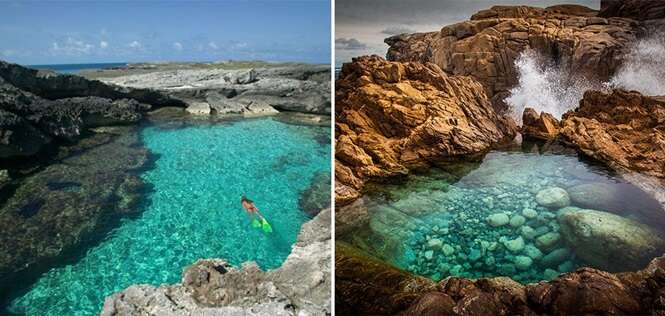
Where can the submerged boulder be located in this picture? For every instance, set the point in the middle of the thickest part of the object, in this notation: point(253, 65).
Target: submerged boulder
point(611, 242)
point(553, 198)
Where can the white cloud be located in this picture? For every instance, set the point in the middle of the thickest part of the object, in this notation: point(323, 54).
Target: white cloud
point(8, 52)
point(136, 45)
point(177, 46)
point(72, 47)
point(103, 44)
point(213, 45)
point(240, 45)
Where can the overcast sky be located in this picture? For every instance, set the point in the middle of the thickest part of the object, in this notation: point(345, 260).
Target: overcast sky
point(361, 25)
point(76, 31)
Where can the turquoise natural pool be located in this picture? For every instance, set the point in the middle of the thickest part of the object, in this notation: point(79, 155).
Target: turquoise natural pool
point(194, 212)
point(482, 219)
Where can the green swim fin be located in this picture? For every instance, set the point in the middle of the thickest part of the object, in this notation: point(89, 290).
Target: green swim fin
point(256, 223)
point(266, 226)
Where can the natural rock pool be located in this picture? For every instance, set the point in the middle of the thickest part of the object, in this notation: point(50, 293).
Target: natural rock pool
point(522, 214)
point(194, 211)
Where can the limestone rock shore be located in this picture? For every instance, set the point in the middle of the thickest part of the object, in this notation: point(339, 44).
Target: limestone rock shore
point(392, 117)
point(371, 287)
point(301, 286)
point(218, 89)
point(38, 108)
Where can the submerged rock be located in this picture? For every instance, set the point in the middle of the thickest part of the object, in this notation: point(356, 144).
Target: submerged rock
point(317, 195)
point(499, 219)
point(368, 287)
point(514, 245)
point(553, 198)
point(57, 207)
point(611, 242)
point(301, 286)
point(546, 241)
point(517, 221)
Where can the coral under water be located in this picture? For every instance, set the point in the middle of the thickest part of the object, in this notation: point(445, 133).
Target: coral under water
point(194, 212)
point(503, 217)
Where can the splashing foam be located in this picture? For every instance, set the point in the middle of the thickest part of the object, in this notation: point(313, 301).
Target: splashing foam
point(544, 88)
point(549, 88)
point(644, 67)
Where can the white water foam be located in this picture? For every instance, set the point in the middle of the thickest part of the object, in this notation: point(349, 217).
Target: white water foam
point(643, 69)
point(555, 90)
point(544, 88)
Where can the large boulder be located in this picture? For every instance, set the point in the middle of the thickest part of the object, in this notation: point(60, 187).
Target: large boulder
point(392, 117)
point(553, 198)
point(623, 129)
point(541, 126)
point(486, 46)
point(611, 242)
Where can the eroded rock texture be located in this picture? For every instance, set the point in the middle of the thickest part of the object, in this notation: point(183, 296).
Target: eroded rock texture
point(486, 47)
point(41, 108)
point(622, 129)
point(387, 291)
point(301, 286)
point(393, 116)
point(210, 90)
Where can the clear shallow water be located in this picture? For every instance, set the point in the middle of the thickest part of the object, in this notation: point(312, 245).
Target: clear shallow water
point(195, 212)
point(438, 224)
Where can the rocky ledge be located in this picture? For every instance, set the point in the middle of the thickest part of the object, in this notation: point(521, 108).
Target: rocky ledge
point(364, 282)
point(392, 117)
point(588, 42)
point(227, 88)
point(301, 286)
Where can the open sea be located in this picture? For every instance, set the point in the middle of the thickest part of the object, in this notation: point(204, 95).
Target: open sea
point(76, 68)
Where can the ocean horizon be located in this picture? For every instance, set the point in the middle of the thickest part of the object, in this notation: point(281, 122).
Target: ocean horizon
point(77, 68)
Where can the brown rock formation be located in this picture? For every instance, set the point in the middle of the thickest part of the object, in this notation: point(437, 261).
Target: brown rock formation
point(542, 126)
point(623, 129)
point(392, 117)
point(583, 292)
point(486, 46)
point(633, 9)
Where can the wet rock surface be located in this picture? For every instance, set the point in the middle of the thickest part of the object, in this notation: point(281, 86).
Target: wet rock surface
point(371, 287)
point(486, 46)
point(301, 286)
point(430, 116)
point(208, 89)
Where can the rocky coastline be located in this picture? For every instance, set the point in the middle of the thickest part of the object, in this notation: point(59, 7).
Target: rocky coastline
point(57, 133)
point(301, 286)
point(394, 119)
point(223, 88)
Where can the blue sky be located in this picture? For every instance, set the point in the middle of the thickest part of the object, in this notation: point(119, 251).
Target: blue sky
point(58, 32)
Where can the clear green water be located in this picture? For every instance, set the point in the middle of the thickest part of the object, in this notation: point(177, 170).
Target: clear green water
point(195, 212)
point(436, 224)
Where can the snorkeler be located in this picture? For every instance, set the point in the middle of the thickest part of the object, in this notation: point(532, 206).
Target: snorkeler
point(251, 209)
point(253, 212)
